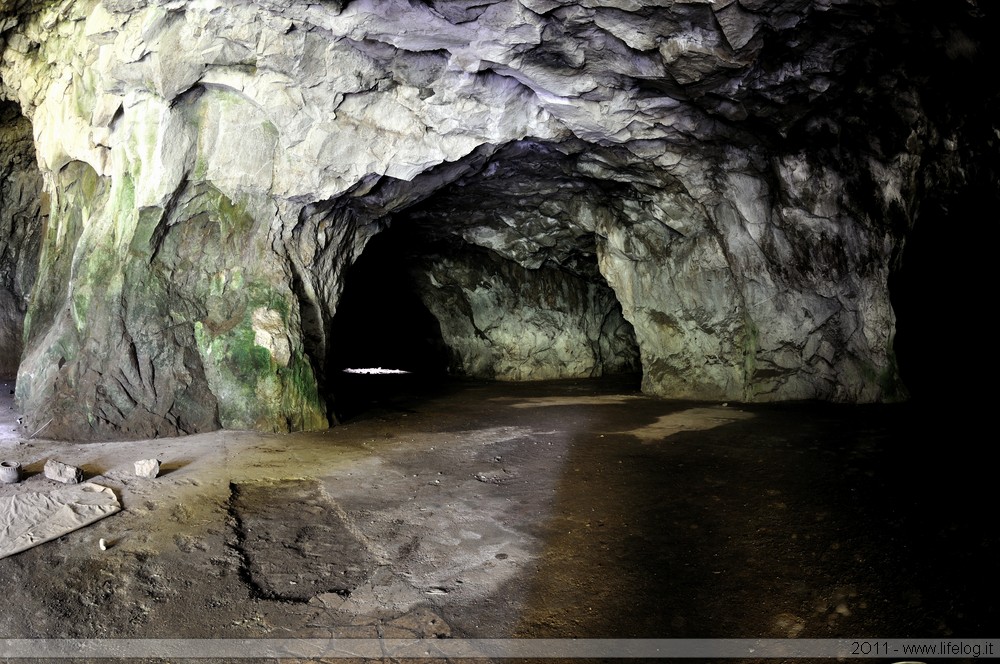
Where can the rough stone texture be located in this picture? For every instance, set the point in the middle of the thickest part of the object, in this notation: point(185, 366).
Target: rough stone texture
point(511, 323)
point(743, 173)
point(58, 471)
point(147, 468)
point(21, 223)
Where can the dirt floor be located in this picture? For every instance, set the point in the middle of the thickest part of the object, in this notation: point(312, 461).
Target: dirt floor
point(558, 509)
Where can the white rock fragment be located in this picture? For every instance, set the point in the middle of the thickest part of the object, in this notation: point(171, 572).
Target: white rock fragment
point(61, 472)
point(148, 468)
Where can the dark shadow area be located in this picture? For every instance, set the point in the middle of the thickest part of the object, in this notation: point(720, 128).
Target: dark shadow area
point(939, 293)
point(799, 521)
point(381, 323)
point(940, 284)
point(172, 466)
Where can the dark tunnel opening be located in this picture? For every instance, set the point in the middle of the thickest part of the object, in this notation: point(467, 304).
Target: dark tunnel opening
point(937, 294)
point(382, 324)
point(941, 289)
point(489, 277)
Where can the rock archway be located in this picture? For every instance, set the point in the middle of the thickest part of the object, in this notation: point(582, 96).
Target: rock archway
point(449, 287)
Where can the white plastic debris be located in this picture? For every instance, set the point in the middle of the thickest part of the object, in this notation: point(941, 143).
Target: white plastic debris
point(29, 519)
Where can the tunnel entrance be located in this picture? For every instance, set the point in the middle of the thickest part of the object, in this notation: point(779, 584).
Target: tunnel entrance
point(491, 276)
point(386, 344)
point(937, 294)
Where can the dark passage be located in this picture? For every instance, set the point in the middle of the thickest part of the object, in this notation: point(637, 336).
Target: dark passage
point(381, 323)
point(941, 291)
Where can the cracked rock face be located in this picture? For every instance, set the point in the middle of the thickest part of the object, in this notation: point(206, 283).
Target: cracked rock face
point(736, 178)
point(21, 222)
point(510, 323)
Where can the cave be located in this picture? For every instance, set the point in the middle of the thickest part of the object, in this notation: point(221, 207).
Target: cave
point(737, 248)
point(386, 344)
point(441, 292)
point(681, 306)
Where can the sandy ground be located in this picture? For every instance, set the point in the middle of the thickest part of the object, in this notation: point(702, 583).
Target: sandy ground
point(563, 509)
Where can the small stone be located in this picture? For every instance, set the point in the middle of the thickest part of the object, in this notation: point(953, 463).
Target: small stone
point(61, 472)
point(148, 468)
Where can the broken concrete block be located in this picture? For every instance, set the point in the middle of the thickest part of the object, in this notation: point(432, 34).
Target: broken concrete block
point(61, 472)
point(148, 468)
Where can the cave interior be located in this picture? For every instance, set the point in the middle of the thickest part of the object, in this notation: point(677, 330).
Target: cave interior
point(722, 266)
point(752, 210)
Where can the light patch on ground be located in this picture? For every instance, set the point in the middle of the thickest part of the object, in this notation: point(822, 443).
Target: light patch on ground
point(540, 402)
point(692, 419)
point(494, 434)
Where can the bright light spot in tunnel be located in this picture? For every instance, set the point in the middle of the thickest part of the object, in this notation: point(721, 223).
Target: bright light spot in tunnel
point(375, 371)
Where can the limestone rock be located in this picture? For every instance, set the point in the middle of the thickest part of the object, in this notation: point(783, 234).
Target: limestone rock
point(21, 218)
point(510, 323)
point(61, 472)
point(147, 468)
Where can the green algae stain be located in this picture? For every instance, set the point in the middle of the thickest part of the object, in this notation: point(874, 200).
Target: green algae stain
point(253, 389)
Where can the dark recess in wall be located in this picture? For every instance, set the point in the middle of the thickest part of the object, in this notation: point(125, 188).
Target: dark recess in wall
point(381, 322)
point(942, 289)
point(942, 294)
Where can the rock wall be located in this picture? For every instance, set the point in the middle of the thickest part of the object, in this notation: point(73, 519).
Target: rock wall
point(507, 322)
point(743, 174)
point(22, 218)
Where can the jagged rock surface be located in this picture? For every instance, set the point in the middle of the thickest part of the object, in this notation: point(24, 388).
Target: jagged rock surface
point(507, 322)
point(742, 173)
point(21, 223)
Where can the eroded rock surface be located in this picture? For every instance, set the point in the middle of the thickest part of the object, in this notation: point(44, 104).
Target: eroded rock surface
point(21, 224)
point(507, 322)
point(742, 173)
